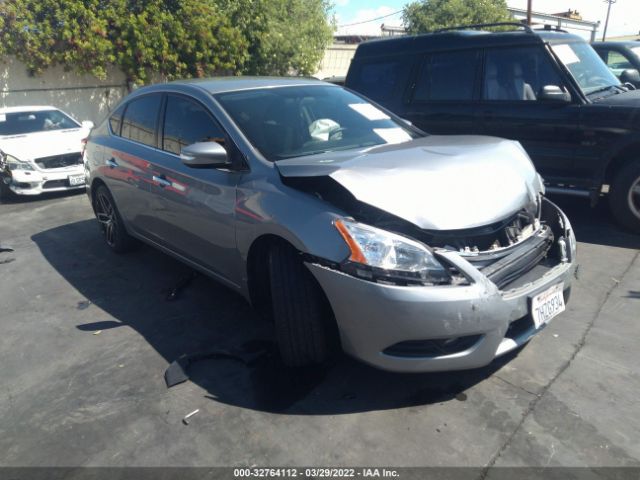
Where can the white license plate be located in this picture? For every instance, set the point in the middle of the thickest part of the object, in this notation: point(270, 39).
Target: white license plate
point(547, 305)
point(75, 180)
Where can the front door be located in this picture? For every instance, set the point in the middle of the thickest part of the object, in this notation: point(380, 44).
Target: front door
point(195, 207)
point(513, 81)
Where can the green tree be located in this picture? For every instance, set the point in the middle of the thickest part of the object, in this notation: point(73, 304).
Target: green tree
point(167, 38)
point(428, 15)
point(284, 36)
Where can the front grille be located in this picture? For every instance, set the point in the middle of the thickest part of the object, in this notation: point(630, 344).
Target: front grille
point(55, 184)
point(60, 161)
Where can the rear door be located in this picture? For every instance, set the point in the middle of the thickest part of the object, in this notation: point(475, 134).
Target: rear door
point(194, 208)
point(127, 158)
point(442, 97)
point(513, 79)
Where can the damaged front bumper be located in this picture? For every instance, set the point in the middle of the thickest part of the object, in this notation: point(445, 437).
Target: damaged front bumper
point(36, 182)
point(442, 327)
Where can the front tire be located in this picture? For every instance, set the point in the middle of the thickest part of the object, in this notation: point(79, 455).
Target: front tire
point(624, 198)
point(5, 191)
point(300, 312)
point(111, 224)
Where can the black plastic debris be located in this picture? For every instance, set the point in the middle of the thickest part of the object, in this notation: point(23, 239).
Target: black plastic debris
point(6, 260)
point(176, 373)
point(183, 283)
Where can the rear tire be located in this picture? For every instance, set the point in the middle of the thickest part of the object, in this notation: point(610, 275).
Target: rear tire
point(624, 198)
point(300, 313)
point(111, 224)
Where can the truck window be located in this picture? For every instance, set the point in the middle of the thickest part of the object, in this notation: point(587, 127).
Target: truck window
point(447, 76)
point(518, 74)
point(378, 79)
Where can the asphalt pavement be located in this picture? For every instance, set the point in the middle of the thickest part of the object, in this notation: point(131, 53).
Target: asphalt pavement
point(87, 336)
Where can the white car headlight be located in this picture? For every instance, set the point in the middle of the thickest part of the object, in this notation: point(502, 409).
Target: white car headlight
point(14, 164)
point(388, 256)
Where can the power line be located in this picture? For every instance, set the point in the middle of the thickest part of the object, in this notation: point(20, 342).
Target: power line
point(370, 20)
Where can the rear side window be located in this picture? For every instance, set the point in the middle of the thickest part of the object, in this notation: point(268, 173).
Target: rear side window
point(115, 120)
point(378, 79)
point(447, 76)
point(187, 122)
point(141, 118)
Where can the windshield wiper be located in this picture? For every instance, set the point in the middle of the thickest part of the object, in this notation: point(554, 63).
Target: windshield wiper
point(602, 89)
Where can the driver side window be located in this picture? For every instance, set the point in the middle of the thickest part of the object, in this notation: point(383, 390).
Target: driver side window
point(518, 74)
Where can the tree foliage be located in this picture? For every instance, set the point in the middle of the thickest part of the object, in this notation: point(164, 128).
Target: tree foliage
point(428, 15)
point(166, 38)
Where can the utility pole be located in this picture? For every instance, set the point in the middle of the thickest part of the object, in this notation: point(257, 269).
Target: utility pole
point(529, 2)
point(606, 23)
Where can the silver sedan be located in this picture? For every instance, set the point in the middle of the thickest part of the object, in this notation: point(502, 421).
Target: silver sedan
point(341, 222)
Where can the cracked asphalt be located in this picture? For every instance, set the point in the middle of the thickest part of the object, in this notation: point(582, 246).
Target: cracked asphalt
point(87, 336)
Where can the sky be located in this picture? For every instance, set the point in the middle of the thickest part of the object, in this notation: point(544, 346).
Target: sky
point(625, 14)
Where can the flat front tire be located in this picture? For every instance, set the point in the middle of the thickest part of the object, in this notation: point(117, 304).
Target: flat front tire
point(300, 314)
point(111, 224)
point(624, 198)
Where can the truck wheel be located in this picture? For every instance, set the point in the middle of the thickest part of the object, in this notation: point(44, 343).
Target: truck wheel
point(624, 198)
point(300, 314)
point(111, 223)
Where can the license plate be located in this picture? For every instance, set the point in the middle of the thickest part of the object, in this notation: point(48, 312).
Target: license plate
point(547, 305)
point(75, 180)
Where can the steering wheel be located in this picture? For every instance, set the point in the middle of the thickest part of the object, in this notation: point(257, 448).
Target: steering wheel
point(334, 132)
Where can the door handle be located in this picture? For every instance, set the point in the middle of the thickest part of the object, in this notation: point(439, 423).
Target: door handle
point(111, 163)
point(162, 181)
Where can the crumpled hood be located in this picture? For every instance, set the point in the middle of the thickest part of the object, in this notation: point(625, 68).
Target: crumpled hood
point(436, 182)
point(43, 144)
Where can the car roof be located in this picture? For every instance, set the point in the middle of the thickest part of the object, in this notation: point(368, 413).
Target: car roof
point(460, 39)
point(27, 108)
point(627, 43)
point(229, 84)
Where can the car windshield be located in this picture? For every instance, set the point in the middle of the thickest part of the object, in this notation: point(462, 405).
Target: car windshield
point(286, 122)
point(591, 73)
point(18, 123)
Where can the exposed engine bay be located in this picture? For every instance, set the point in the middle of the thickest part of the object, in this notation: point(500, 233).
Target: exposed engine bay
point(504, 251)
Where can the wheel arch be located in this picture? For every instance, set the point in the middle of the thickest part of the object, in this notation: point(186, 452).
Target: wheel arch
point(626, 154)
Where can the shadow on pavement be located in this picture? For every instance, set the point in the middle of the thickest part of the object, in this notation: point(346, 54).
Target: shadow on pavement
point(132, 290)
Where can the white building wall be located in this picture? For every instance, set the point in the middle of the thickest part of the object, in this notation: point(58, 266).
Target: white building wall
point(83, 96)
point(336, 61)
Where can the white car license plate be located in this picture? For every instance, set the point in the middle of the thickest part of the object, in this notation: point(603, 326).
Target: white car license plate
point(547, 305)
point(75, 180)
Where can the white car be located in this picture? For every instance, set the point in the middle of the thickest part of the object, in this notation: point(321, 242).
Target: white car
point(40, 150)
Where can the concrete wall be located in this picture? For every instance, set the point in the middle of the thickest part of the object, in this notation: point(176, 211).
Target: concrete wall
point(336, 61)
point(83, 96)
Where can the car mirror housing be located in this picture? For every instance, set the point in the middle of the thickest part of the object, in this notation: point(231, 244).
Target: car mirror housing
point(205, 154)
point(554, 93)
point(631, 75)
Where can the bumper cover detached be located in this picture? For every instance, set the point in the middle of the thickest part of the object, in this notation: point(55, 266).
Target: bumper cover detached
point(439, 328)
point(36, 182)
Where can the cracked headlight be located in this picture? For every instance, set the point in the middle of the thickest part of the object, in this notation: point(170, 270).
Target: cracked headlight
point(14, 164)
point(380, 255)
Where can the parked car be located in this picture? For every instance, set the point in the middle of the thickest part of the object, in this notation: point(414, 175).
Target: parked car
point(40, 150)
point(547, 89)
point(622, 58)
point(337, 219)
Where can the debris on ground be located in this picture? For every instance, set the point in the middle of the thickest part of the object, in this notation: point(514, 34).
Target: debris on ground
point(184, 282)
point(186, 418)
point(97, 332)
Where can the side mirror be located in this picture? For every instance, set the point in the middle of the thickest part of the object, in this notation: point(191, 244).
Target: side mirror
point(553, 93)
point(630, 75)
point(205, 154)
point(88, 124)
